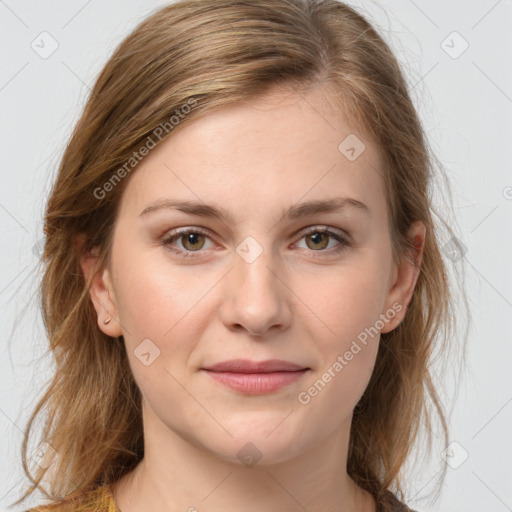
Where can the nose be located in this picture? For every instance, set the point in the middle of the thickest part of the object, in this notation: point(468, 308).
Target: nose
point(256, 298)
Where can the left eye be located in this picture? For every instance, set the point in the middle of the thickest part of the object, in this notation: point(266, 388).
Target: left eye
point(319, 237)
point(193, 240)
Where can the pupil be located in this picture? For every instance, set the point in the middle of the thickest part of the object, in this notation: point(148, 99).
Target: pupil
point(316, 237)
point(192, 239)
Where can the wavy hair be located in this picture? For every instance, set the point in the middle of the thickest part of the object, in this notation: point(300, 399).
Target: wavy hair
point(187, 59)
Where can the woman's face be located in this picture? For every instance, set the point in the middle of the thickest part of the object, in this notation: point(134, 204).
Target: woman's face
point(261, 283)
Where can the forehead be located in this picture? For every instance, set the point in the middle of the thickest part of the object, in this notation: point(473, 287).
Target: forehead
point(263, 153)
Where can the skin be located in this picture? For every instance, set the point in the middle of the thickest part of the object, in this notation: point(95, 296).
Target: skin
point(296, 301)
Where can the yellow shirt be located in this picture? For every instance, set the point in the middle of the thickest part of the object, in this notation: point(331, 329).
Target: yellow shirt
point(101, 500)
point(98, 500)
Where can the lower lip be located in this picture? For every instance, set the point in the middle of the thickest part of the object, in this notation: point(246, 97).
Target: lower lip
point(256, 383)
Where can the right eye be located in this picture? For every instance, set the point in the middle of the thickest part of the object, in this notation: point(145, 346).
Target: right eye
point(191, 239)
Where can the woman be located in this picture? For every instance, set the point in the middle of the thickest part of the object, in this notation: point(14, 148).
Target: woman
point(243, 283)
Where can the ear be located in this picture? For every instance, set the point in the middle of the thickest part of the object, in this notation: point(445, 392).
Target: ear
point(101, 289)
point(405, 276)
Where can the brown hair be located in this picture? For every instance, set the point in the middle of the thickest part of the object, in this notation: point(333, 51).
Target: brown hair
point(189, 58)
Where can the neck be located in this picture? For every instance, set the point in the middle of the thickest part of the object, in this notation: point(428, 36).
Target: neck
point(190, 478)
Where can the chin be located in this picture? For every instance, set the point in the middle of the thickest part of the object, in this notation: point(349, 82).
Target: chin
point(267, 441)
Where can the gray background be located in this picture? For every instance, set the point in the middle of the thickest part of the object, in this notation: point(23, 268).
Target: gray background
point(465, 102)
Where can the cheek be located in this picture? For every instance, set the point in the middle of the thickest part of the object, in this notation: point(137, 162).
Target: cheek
point(166, 305)
point(157, 308)
point(153, 297)
point(346, 301)
point(347, 361)
point(348, 304)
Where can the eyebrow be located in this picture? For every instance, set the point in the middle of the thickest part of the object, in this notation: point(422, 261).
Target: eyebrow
point(294, 212)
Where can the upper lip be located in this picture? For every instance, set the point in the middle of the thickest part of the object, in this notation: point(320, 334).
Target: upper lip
point(247, 366)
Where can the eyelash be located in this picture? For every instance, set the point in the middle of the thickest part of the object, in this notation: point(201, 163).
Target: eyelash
point(344, 243)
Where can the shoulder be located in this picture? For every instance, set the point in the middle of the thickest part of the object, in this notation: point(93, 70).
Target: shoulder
point(98, 499)
point(390, 503)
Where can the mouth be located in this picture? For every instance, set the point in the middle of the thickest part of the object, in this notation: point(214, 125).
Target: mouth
point(255, 378)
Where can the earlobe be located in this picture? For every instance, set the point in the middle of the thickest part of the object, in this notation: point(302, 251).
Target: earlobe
point(405, 277)
point(101, 292)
